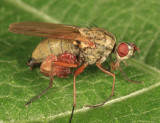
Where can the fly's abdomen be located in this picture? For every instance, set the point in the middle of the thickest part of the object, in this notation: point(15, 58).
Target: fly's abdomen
point(53, 46)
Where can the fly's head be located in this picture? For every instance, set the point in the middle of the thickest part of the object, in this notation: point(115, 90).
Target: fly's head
point(123, 52)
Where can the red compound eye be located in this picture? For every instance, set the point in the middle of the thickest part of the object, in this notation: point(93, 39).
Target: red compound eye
point(123, 49)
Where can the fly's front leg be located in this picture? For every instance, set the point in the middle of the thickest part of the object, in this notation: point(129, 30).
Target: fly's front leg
point(112, 92)
point(127, 77)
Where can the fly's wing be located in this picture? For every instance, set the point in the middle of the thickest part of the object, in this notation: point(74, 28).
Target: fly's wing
point(43, 29)
point(40, 29)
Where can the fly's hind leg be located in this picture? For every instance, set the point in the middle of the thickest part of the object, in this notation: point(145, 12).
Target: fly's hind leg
point(112, 92)
point(64, 64)
point(50, 85)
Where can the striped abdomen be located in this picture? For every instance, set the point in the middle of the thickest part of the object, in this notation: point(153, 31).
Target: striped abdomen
point(53, 46)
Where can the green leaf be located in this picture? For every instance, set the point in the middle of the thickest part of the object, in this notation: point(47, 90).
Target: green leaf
point(129, 20)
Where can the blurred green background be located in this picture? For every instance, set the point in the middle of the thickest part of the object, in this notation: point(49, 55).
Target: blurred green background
point(129, 20)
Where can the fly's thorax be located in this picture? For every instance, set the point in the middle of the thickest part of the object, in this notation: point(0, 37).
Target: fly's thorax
point(103, 40)
point(54, 46)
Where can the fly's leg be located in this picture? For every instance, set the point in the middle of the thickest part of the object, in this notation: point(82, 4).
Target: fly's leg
point(50, 85)
point(77, 72)
point(64, 64)
point(112, 92)
point(39, 95)
point(127, 77)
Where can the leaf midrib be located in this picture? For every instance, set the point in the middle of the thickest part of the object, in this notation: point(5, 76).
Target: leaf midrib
point(84, 109)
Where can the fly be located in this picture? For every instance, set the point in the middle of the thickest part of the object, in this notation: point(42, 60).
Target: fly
point(67, 47)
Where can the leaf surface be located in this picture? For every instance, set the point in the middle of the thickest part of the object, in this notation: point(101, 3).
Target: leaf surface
point(129, 20)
